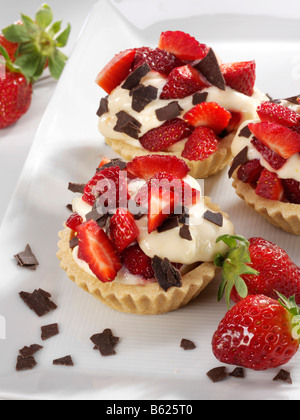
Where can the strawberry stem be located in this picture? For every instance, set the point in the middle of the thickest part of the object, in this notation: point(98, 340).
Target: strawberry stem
point(291, 306)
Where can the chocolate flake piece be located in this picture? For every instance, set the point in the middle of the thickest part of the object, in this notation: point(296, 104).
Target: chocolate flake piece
point(210, 69)
point(185, 233)
point(69, 207)
point(245, 132)
point(143, 96)
point(38, 301)
point(166, 274)
point(94, 215)
point(136, 76)
point(127, 124)
point(293, 99)
point(30, 351)
point(169, 112)
point(216, 218)
point(74, 242)
point(49, 331)
point(63, 361)
point(199, 98)
point(238, 373)
point(113, 163)
point(25, 363)
point(169, 224)
point(103, 107)
point(283, 376)
point(76, 188)
point(187, 344)
point(105, 342)
point(217, 374)
point(27, 258)
point(240, 159)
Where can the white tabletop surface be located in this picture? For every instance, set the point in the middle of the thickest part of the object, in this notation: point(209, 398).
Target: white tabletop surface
point(16, 140)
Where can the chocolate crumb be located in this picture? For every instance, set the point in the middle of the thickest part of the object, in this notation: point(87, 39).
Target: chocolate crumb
point(238, 373)
point(245, 132)
point(76, 188)
point(283, 376)
point(185, 233)
point(63, 361)
point(168, 112)
point(30, 351)
point(210, 69)
point(166, 274)
point(27, 258)
point(103, 107)
point(74, 242)
point(105, 342)
point(217, 374)
point(49, 331)
point(199, 98)
point(239, 160)
point(216, 218)
point(69, 207)
point(25, 363)
point(187, 344)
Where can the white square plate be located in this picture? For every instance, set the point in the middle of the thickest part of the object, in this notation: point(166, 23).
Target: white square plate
point(149, 363)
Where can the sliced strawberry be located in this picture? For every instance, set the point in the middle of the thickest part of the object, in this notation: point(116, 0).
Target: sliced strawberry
point(269, 186)
point(161, 138)
point(201, 144)
point(282, 140)
point(271, 157)
point(145, 167)
point(292, 190)
point(210, 115)
point(182, 45)
point(235, 121)
point(240, 76)
point(250, 171)
point(123, 229)
point(137, 262)
point(182, 82)
point(158, 60)
point(98, 251)
point(278, 114)
point(74, 221)
point(115, 71)
point(161, 203)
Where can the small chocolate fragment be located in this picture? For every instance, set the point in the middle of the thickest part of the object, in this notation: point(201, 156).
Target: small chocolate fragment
point(30, 351)
point(187, 344)
point(37, 302)
point(63, 361)
point(69, 207)
point(113, 163)
point(143, 96)
point(94, 215)
point(199, 98)
point(169, 112)
point(103, 107)
point(76, 188)
point(27, 258)
point(216, 218)
point(245, 132)
point(185, 233)
point(293, 99)
point(127, 124)
point(217, 374)
point(169, 224)
point(238, 373)
point(25, 363)
point(49, 331)
point(210, 69)
point(136, 76)
point(105, 342)
point(239, 160)
point(166, 274)
point(74, 242)
point(283, 376)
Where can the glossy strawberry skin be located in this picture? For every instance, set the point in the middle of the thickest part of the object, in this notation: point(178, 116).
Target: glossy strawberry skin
point(182, 45)
point(200, 145)
point(275, 113)
point(123, 229)
point(269, 186)
point(74, 221)
point(240, 76)
point(255, 334)
point(137, 262)
point(291, 190)
point(145, 167)
point(250, 172)
point(157, 59)
point(210, 115)
point(11, 47)
point(274, 160)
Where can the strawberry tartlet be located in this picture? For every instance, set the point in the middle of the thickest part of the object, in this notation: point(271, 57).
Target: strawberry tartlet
point(178, 100)
point(141, 237)
point(266, 165)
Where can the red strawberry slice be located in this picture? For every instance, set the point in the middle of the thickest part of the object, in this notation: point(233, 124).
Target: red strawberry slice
point(158, 60)
point(282, 140)
point(201, 144)
point(235, 121)
point(291, 190)
point(161, 138)
point(98, 251)
point(161, 203)
point(250, 172)
point(208, 114)
point(145, 167)
point(271, 157)
point(74, 221)
point(137, 262)
point(123, 229)
point(240, 76)
point(115, 71)
point(278, 114)
point(182, 82)
point(269, 186)
point(182, 45)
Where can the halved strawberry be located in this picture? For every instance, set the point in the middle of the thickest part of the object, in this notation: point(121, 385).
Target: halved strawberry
point(161, 138)
point(182, 82)
point(183, 45)
point(161, 203)
point(116, 70)
point(282, 140)
point(123, 229)
point(145, 167)
point(240, 76)
point(98, 251)
point(201, 144)
point(210, 115)
point(269, 186)
point(276, 113)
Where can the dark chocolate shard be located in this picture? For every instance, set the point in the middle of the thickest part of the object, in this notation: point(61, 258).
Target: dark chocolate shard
point(76, 188)
point(238, 373)
point(64, 361)
point(169, 224)
point(168, 112)
point(239, 160)
point(113, 163)
point(293, 99)
point(185, 233)
point(74, 242)
point(127, 124)
point(217, 374)
point(210, 69)
point(199, 97)
point(187, 344)
point(69, 207)
point(25, 363)
point(103, 107)
point(27, 258)
point(283, 376)
point(134, 79)
point(245, 132)
point(38, 301)
point(49, 331)
point(143, 96)
point(216, 218)
point(30, 351)
point(166, 274)
point(105, 342)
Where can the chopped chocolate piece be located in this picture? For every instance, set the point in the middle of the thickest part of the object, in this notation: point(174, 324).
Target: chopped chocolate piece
point(38, 301)
point(283, 376)
point(168, 112)
point(94, 214)
point(27, 258)
point(217, 374)
point(113, 163)
point(136, 76)
point(63, 361)
point(245, 132)
point(166, 274)
point(293, 99)
point(216, 218)
point(30, 351)
point(185, 233)
point(169, 224)
point(127, 124)
point(187, 344)
point(199, 98)
point(74, 242)
point(103, 107)
point(143, 96)
point(238, 373)
point(76, 188)
point(49, 331)
point(25, 363)
point(105, 342)
point(239, 160)
point(69, 207)
point(210, 69)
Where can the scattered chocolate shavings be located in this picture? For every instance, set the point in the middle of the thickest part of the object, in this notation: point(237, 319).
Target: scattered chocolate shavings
point(283, 376)
point(239, 160)
point(113, 163)
point(169, 224)
point(166, 274)
point(105, 342)
point(199, 98)
point(217, 374)
point(127, 124)
point(187, 344)
point(169, 112)
point(216, 218)
point(103, 107)
point(74, 242)
point(136, 76)
point(63, 361)
point(245, 132)
point(38, 301)
point(210, 69)
point(25, 363)
point(30, 351)
point(27, 258)
point(238, 373)
point(49, 331)
point(185, 233)
point(76, 188)
point(143, 96)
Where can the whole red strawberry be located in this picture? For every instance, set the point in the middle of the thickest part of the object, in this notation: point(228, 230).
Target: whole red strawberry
point(258, 333)
point(11, 47)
